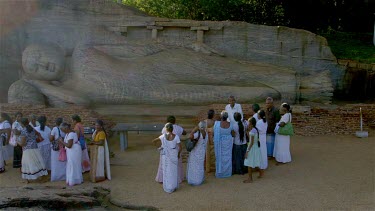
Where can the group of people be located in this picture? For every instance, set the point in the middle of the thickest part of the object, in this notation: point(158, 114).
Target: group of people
point(63, 152)
point(240, 145)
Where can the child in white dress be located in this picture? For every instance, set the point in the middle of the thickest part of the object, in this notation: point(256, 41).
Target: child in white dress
point(253, 155)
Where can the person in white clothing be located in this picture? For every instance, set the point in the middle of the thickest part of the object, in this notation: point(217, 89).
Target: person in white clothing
point(17, 150)
point(281, 151)
point(239, 145)
point(45, 145)
point(179, 131)
point(195, 164)
point(255, 108)
point(170, 152)
point(58, 168)
point(232, 108)
point(33, 123)
point(73, 156)
point(5, 131)
point(262, 129)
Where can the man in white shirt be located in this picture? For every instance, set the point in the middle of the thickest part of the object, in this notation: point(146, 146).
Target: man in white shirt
point(232, 108)
point(177, 130)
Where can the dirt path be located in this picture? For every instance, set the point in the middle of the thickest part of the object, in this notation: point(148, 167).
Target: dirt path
point(333, 172)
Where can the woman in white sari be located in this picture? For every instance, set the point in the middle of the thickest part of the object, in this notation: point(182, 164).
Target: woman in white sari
point(17, 149)
point(195, 166)
point(73, 155)
point(262, 129)
point(33, 165)
point(99, 154)
point(170, 151)
point(58, 168)
point(5, 131)
point(281, 151)
point(45, 145)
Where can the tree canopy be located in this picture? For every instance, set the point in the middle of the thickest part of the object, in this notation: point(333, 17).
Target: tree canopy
point(313, 15)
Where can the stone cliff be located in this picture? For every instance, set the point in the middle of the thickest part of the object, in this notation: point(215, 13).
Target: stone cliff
point(300, 63)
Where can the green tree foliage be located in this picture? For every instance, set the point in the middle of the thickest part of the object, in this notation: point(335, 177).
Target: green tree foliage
point(254, 11)
point(313, 15)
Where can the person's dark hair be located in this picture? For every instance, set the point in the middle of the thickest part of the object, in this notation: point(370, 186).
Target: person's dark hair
point(262, 115)
point(6, 117)
point(64, 125)
point(255, 107)
point(76, 118)
point(58, 121)
point(237, 117)
point(101, 123)
point(25, 122)
point(253, 122)
point(210, 114)
point(169, 127)
point(287, 106)
point(42, 121)
point(18, 113)
point(171, 119)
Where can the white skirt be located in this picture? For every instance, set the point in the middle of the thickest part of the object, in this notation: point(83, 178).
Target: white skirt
point(74, 165)
point(45, 150)
point(8, 152)
point(263, 151)
point(281, 150)
point(58, 168)
point(33, 165)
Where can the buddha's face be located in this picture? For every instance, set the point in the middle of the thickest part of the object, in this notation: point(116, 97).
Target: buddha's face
point(44, 62)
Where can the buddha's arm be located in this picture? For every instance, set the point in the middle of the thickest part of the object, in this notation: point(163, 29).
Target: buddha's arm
point(61, 93)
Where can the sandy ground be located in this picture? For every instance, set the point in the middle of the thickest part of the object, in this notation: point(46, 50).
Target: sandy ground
point(331, 172)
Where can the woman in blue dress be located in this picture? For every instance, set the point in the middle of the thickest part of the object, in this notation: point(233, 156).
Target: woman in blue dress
point(223, 143)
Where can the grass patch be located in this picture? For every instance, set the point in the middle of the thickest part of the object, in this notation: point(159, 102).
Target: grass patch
point(354, 46)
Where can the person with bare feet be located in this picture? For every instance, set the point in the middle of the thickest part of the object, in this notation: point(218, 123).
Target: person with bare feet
point(253, 155)
point(282, 142)
point(33, 165)
point(262, 126)
point(170, 151)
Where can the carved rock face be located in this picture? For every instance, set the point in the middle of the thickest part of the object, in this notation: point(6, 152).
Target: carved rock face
point(21, 92)
point(43, 62)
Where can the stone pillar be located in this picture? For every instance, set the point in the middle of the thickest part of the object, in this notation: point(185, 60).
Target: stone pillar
point(200, 32)
point(154, 31)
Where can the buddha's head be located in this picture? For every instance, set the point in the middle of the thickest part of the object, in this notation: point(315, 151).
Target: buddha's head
point(44, 62)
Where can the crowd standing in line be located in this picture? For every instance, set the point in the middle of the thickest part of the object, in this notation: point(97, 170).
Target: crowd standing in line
point(240, 146)
point(37, 150)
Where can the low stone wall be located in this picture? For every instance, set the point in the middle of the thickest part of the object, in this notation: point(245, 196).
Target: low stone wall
point(88, 116)
point(319, 120)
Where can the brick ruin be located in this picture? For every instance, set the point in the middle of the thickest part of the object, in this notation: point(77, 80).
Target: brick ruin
point(307, 120)
point(319, 120)
point(88, 116)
